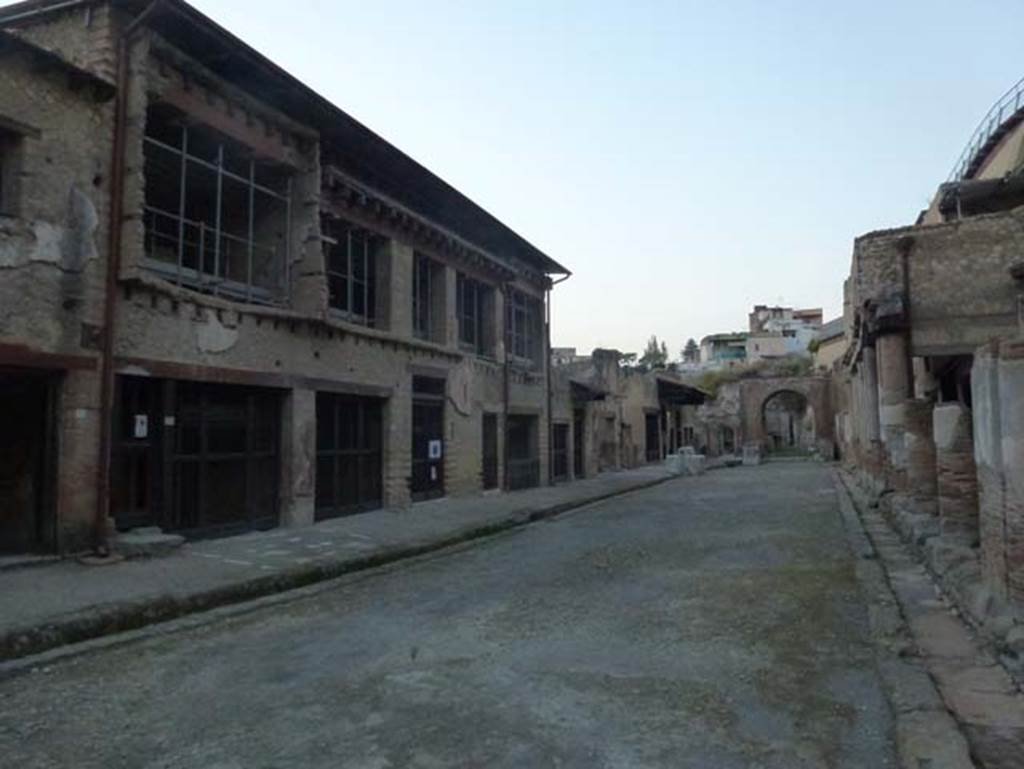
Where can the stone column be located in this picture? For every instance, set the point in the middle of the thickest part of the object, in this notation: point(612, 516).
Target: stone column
point(922, 483)
point(1011, 400)
point(957, 475)
point(871, 446)
point(893, 390)
point(988, 457)
point(298, 459)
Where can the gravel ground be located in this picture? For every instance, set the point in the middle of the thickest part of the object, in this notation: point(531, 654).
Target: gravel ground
point(710, 623)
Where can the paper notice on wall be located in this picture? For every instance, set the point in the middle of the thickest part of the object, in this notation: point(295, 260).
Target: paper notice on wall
point(434, 450)
point(141, 426)
point(433, 474)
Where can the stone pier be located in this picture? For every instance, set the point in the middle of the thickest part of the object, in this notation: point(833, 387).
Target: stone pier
point(922, 483)
point(957, 475)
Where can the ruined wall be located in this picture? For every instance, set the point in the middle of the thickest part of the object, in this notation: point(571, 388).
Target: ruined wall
point(53, 258)
point(85, 36)
point(961, 294)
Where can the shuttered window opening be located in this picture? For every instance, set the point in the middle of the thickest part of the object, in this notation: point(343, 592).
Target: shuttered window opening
point(349, 474)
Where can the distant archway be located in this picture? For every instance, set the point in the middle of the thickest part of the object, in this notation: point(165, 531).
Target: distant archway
point(788, 422)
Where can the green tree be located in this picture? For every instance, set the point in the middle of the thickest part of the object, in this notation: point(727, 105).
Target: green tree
point(655, 355)
point(691, 352)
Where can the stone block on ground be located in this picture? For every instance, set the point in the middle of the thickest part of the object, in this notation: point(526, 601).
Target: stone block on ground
point(146, 543)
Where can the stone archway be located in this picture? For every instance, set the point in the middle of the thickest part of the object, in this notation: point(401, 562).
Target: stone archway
point(756, 395)
point(788, 422)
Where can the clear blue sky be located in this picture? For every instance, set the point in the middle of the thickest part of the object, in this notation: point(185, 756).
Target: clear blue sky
point(685, 159)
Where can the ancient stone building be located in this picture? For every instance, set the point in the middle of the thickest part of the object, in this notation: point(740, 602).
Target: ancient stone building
point(933, 377)
point(224, 303)
point(614, 417)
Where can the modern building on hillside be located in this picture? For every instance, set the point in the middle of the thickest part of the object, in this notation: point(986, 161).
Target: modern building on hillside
point(723, 350)
point(829, 345)
point(227, 304)
point(778, 332)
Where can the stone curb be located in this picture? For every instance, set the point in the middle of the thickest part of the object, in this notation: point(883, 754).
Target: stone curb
point(109, 619)
point(927, 735)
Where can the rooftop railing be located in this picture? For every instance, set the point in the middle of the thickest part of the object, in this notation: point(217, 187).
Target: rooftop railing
point(1008, 107)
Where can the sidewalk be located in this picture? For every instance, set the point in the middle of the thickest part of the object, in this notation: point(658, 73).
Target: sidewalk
point(49, 606)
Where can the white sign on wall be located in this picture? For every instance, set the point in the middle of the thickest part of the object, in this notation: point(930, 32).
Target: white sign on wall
point(141, 426)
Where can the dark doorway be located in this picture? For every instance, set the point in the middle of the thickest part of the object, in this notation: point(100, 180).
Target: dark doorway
point(194, 457)
point(521, 452)
point(27, 523)
point(427, 438)
point(349, 469)
point(560, 452)
point(578, 434)
point(653, 438)
point(490, 451)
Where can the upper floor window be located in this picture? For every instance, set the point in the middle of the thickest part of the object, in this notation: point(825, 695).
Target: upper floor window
point(10, 142)
point(216, 218)
point(427, 298)
point(474, 301)
point(352, 271)
point(523, 326)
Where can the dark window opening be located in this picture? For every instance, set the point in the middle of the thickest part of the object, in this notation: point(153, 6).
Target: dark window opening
point(490, 451)
point(560, 452)
point(578, 436)
point(428, 445)
point(352, 271)
point(10, 146)
point(27, 464)
point(653, 438)
point(349, 474)
point(521, 452)
point(474, 301)
point(427, 298)
point(524, 326)
point(216, 219)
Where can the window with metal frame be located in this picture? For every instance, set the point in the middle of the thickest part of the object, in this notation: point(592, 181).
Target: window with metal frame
point(424, 295)
point(352, 271)
point(216, 219)
point(523, 325)
point(560, 452)
point(472, 299)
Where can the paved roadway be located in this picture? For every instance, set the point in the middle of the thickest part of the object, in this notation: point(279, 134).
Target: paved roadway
point(708, 623)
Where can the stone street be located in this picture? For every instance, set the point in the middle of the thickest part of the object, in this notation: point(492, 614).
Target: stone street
point(714, 622)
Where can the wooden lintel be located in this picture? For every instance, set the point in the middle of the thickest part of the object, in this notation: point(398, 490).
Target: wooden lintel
point(23, 356)
point(216, 117)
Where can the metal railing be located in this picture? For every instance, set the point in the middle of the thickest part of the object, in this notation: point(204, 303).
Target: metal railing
point(191, 253)
point(1008, 105)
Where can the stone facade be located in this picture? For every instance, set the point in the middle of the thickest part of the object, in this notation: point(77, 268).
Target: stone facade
point(192, 319)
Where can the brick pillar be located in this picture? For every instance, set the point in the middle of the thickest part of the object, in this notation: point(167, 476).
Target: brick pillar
point(922, 483)
point(398, 446)
point(957, 475)
point(298, 458)
point(78, 427)
point(893, 390)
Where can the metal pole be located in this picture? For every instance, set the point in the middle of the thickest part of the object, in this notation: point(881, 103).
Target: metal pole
point(288, 244)
point(217, 225)
point(181, 200)
point(252, 229)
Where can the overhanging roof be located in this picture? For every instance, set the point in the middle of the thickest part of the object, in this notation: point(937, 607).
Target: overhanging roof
point(356, 148)
point(679, 394)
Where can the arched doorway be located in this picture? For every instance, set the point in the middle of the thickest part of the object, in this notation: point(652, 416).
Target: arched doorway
point(788, 420)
